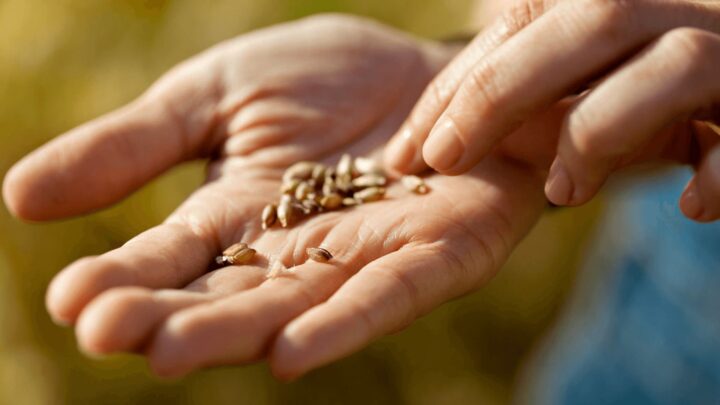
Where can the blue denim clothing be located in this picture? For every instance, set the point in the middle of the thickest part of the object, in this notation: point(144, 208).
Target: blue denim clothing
point(644, 324)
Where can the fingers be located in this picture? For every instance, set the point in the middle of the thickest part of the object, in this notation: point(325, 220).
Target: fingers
point(673, 77)
point(403, 153)
point(237, 329)
point(701, 199)
point(169, 255)
point(122, 319)
point(546, 61)
point(385, 296)
point(100, 162)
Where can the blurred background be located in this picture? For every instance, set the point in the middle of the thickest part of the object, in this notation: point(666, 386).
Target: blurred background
point(63, 62)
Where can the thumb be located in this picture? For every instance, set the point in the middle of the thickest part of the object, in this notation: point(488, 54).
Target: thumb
point(96, 164)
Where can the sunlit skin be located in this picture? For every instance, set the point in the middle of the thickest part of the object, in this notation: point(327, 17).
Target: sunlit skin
point(651, 67)
point(307, 90)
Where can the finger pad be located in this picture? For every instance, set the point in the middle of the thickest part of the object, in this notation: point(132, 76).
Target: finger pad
point(75, 286)
point(23, 192)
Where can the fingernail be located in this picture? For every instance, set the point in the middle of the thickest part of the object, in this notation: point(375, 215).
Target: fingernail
point(559, 187)
point(443, 149)
point(690, 202)
point(401, 151)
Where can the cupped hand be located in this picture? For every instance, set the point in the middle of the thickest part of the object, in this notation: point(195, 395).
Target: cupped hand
point(642, 76)
point(307, 90)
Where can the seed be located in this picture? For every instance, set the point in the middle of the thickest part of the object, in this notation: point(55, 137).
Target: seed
point(309, 206)
point(319, 254)
point(318, 173)
point(311, 187)
point(300, 171)
point(344, 173)
point(237, 247)
point(287, 197)
point(302, 191)
point(328, 186)
point(331, 201)
point(289, 186)
point(238, 253)
point(243, 256)
point(369, 194)
point(269, 216)
point(369, 180)
point(286, 211)
point(329, 172)
point(344, 184)
point(365, 165)
point(349, 202)
point(345, 166)
point(415, 184)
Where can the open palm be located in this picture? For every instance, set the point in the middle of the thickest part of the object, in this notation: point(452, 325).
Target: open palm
point(308, 90)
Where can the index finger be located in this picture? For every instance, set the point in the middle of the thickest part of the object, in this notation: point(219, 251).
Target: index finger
point(563, 49)
point(403, 151)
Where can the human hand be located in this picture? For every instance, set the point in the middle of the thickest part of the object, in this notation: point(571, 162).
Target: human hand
point(651, 70)
point(308, 90)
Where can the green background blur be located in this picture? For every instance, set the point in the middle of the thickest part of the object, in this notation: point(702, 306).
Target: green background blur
point(63, 62)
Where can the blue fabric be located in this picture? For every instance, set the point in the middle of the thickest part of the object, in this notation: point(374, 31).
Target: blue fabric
point(647, 326)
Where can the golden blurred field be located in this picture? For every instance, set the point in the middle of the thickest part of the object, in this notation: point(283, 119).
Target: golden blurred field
point(66, 61)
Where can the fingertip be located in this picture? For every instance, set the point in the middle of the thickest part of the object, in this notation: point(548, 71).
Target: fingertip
point(559, 188)
point(24, 192)
point(443, 149)
point(699, 200)
point(61, 308)
point(402, 155)
point(116, 320)
point(12, 192)
point(690, 202)
point(74, 287)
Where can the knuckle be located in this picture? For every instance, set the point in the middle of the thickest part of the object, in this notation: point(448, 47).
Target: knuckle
point(585, 139)
point(437, 92)
point(614, 19)
point(482, 91)
point(690, 44)
point(521, 14)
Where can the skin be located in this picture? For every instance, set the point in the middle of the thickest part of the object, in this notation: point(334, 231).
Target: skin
point(640, 77)
point(307, 90)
